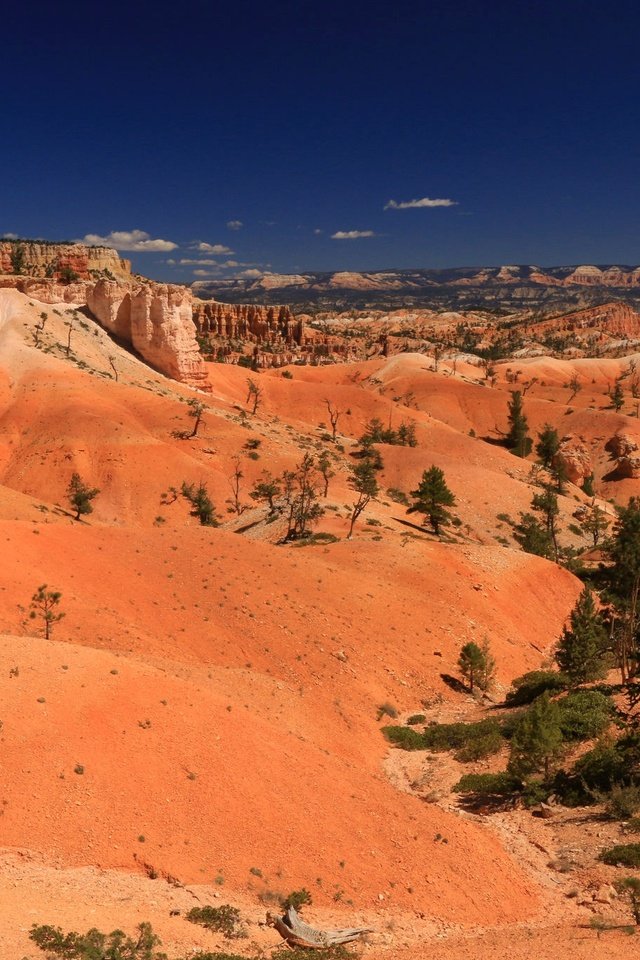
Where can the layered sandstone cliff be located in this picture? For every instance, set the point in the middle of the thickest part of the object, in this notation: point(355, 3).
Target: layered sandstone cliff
point(58, 260)
point(156, 319)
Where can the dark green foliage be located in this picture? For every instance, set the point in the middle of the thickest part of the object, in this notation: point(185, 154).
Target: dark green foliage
point(44, 604)
point(297, 899)
point(267, 490)
point(530, 686)
point(432, 498)
point(17, 256)
point(300, 493)
point(587, 485)
point(537, 740)
point(376, 432)
point(629, 889)
point(583, 642)
point(518, 439)
point(623, 854)
point(404, 737)
point(415, 719)
point(301, 953)
point(476, 665)
point(546, 503)
point(548, 444)
point(364, 483)
point(80, 496)
point(533, 536)
point(470, 741)
point(584, 715)
point(617, 397)
point(224, 919)
point(95, 945)
point(488, 785)
point(202, 506)
point(624, 587)
point(602, 767)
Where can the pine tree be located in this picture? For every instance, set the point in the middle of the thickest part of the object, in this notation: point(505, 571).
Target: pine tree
point(548, 445)
point(617, 397)
point(537, 740)
point(596, 523)
point(44, 603)
point(518, 439)
point(432, 497)
point(583, 642)
point(533, 536)
point(80, 496)
point(364, 482)
point(624, 587)
point(476, 665)
point(202, 506)
point(546, 503)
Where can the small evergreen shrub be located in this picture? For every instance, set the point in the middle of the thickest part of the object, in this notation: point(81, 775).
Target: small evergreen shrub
point(415, 719)
point(297, 899)
point(489, 785)
point(584, 715)
point(623, 854)
point(224, 919)
point(530, 686)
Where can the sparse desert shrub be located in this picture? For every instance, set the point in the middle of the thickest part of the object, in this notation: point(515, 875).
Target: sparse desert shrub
point(386, 710)
point(415, 719)
point(95, 945)
point(623, 854)
point(297, 899)
point(624, 802)
point(629, 889)
point(224, 919)
point(398, 496)
point(404, 737)
point(530, 686)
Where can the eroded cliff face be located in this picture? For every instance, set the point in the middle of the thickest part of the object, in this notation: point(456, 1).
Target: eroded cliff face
point(248, 322)
point(59, 260)
point(157, 320)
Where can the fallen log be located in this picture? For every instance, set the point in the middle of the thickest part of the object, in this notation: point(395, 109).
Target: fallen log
point(297, 933)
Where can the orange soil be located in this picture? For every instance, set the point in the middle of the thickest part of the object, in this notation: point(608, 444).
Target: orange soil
point(219, 692)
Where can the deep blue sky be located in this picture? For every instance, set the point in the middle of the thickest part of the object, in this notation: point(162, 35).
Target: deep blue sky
point(176, 119)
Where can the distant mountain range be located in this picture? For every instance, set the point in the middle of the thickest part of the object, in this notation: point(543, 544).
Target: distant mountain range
point(457, 287)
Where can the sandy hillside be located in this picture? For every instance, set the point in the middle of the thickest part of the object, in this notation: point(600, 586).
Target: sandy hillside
point(206, 710)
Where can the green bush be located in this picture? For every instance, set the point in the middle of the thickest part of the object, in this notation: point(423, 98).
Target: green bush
point(404, 737)
point(415, 719)
point(624, 854)
point(297, 899)
point(602, 767)
point(95, 945)
point(584, 715)
point(530, 686)
point(470, 741)
point(488, 785)
point(224, 919)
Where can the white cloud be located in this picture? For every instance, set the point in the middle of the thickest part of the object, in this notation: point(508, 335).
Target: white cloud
point(234, 224)
point(136, 241)
point(252, 274)
point(211, 248)
point(198, 263)
point(231, 263)
point(9, 236)
point(419, 204)
point(317, 231)
point(352, 234)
